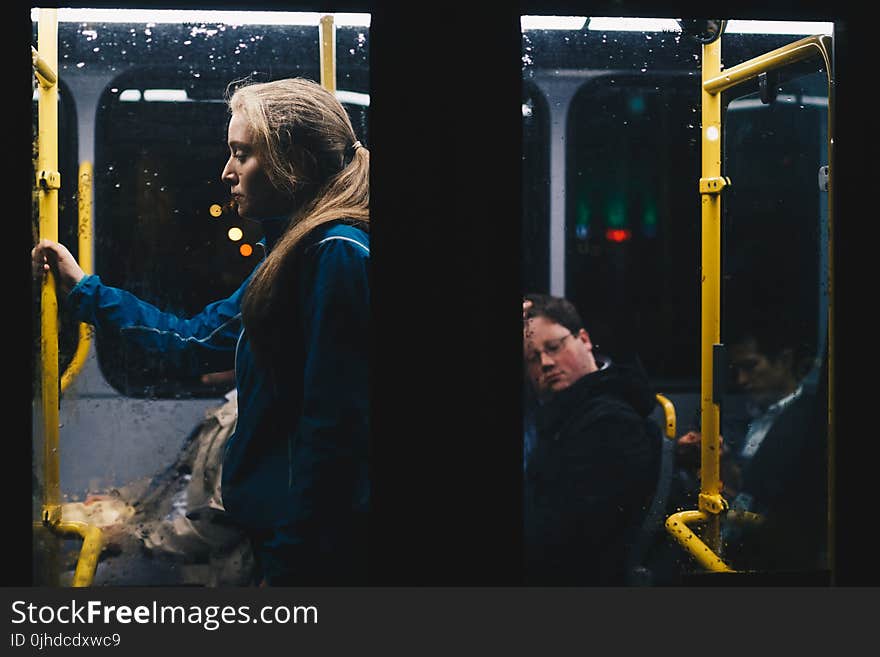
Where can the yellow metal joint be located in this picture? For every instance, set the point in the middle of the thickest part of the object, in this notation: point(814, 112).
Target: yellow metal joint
point(45, 74)
point(712, 503)
point(51, 514)
point(49, 180)
point(714, 185)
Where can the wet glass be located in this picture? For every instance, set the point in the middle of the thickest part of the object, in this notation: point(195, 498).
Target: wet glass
point(612, 214)
point(610, 155)
point(775, 303)
point(142, 99)
point(152, 100)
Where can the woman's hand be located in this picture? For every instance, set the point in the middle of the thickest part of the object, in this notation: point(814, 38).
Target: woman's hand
point(48, 254)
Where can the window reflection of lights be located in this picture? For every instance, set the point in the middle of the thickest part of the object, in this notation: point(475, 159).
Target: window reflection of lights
point(634, 25)
point(235, 234)
point(166, 95)
point(618, 235)
point(130, 96)
point(246, 250)
point(779, 27)
point(526, 110)
point(215, 210)
point(70, 15)
point(353, 98)
point(552, 22)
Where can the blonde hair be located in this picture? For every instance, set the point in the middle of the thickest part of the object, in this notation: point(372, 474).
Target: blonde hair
point(310, 153)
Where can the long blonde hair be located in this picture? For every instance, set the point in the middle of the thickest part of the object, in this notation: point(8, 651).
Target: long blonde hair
point(309, 152)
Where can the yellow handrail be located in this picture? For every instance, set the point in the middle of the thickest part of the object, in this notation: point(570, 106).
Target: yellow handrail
point(668, 415)
point(328, 53)
point(711, 185)
point(93, 542)
point(793, 52)
point(711, 502)
point(677, 526)
point(84, 196)
point(49, 182)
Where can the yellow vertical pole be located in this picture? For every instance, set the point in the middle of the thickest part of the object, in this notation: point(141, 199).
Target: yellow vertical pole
point(710, 185)
point(48, 181)
point(328, 53)
point(84, 195)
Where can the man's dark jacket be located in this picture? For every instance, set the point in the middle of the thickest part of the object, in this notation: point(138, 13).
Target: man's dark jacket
point(787, 483)
point(590, 479)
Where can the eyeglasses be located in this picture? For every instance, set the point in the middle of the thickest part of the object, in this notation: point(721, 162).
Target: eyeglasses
point(551, 348)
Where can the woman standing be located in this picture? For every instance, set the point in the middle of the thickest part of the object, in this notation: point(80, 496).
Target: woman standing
point(295, 471)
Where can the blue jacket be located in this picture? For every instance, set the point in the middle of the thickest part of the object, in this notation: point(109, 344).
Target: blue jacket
point(295, 468)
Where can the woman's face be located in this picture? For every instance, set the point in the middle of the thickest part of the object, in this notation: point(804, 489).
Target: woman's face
point(253, 193)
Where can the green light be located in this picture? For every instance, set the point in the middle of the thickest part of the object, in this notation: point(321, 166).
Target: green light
point(583, 213)
point(616, 213)
point(650, 217)
point(636, 105)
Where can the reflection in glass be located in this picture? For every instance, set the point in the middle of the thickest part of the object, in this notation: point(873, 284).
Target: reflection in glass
point(774, 323)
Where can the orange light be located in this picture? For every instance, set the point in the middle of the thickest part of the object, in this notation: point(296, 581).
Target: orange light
point(245, 250)
point(215, 210)
point(618, 234)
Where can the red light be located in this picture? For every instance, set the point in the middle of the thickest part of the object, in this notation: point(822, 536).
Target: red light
point(618, 234)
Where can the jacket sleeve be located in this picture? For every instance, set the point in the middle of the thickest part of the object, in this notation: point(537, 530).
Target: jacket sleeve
point(202, 343)
point(330, 443)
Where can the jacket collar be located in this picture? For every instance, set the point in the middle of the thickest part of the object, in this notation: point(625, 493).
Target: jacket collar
point(273, 229)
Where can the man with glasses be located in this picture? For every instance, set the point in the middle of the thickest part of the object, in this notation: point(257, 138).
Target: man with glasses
point(593, 465)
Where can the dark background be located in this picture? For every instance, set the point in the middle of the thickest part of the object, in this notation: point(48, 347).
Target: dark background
point(445, 250)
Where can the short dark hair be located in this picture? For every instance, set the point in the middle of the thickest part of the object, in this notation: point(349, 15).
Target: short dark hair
point(775, 321)
point(556, 309)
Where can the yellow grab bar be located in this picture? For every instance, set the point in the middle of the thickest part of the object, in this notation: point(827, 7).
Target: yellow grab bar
point(711, 502)
point(49, 182)
point(669, 415)
point(93, 542)
point(793, 52)
point(84, 196)
point(47, 167)
point(328, 53)
point(710, 294)
point(677, 525)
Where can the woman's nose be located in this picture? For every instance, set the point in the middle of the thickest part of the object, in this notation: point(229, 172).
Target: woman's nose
point(227, 175)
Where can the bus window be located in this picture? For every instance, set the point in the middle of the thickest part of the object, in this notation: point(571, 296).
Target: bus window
point(632, 245)
point(163, 229)
point(620, 235)
point(774, 318)
point(535, 190)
